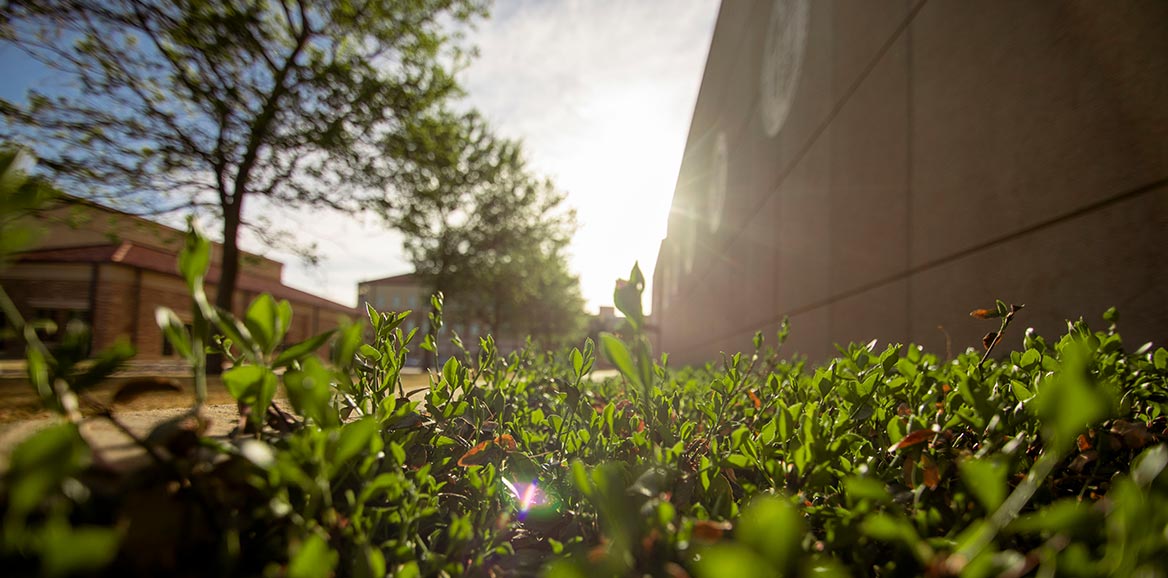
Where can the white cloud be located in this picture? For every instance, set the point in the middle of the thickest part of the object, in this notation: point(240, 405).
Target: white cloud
point(601, 92)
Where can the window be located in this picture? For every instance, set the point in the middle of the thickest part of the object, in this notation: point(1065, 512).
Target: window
point(5, 331)
point(413, 301)
point(60, 317)
point(396, 302)
point(474, 328)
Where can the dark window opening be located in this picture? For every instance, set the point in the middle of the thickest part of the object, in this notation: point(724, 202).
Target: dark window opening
point(167, 348)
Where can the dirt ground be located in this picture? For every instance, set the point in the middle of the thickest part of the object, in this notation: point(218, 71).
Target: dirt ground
point(21, 414)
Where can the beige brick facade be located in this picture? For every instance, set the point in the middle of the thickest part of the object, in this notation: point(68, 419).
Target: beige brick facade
point(82, 269)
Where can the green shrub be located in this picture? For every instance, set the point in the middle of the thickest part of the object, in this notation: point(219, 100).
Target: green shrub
point(884, 461)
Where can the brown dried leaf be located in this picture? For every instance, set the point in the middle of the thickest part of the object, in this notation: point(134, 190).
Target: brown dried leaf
point(932, 476)
point(1083, 443)
point(488, 451)
point(989, 338)
point(709, 531)
point(917, 437)
point(1135, 435)
point(1082, 460)
point(907, 470)
point(984, 313)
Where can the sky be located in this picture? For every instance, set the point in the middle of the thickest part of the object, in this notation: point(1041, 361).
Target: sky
point(600, 92)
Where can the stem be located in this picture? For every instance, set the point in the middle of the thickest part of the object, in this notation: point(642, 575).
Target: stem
point(1001, 330)
point(1010, 508)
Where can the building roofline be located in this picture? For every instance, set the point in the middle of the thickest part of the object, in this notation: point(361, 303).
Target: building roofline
point(67, 199)
point(159, 261)
point(401, 279)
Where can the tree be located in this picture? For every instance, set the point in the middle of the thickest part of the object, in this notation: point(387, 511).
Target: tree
point(493, 238)
point(214, 102)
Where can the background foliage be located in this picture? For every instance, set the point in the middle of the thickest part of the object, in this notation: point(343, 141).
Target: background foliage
point(195, 104)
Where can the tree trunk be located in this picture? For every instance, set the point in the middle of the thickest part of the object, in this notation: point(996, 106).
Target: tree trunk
point(228, 270)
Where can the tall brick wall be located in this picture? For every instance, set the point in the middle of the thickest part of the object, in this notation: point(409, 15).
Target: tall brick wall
point(877, 169)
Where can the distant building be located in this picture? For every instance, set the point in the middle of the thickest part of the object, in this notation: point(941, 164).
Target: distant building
point(111, 270)
point(877, 169)
point(407, 292)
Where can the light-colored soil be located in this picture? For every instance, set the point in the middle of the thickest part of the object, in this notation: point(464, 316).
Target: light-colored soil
point(21, 414)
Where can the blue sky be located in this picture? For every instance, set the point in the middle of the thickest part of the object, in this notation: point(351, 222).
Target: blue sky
point(601, 93)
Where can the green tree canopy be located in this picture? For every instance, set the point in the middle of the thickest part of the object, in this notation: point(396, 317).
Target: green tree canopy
point(493, 237)
point(193, 104)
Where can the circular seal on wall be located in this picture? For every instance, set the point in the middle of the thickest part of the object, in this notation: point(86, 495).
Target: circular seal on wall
point(716, 196)
point(782, 61)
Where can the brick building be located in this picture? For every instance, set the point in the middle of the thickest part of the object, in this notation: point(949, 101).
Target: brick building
point(408, 292)
point(112, 270)
point(879, 168)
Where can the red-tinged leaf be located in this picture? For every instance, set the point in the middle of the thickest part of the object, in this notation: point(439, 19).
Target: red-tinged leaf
point(672, 570)
point(1135, 435)
point(989, 338)
point(754, 399)
point(1082, 460)
point(984, 313)
point(506, 442)
point(1083, 443)
point(477, 455)
point(932, 476)
point(709, 531)
point(917, 437)
point(488, 451)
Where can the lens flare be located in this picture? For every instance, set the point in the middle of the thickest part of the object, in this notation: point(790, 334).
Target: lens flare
point(529, 496)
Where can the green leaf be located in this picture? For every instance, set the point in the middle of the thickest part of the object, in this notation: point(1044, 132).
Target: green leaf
point(174, 331)
point(1068, 402)
point(349, 338)
point(262, 321)
point(865, 488)
point(108, 362)
point(69, 550)
point(299, 351)
point(354, 438)
point(732, 560)
point(253, 385)
point(627, 298)
point(580, 478)
point(310, 392)
point(986, 479)
point(284, 321)
point(195, 256)
point(313, 559)
point(616, 353)
point(1149, 464)
point(408, 570)
point(40, 463)
point(577, 362)
point(772, 527)
point(369, 352)
point(450, 372)
point(1066, 515)
point(890, 529)
point(374, 317)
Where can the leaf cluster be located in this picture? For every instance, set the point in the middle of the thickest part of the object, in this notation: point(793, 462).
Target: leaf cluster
point(884, 461)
